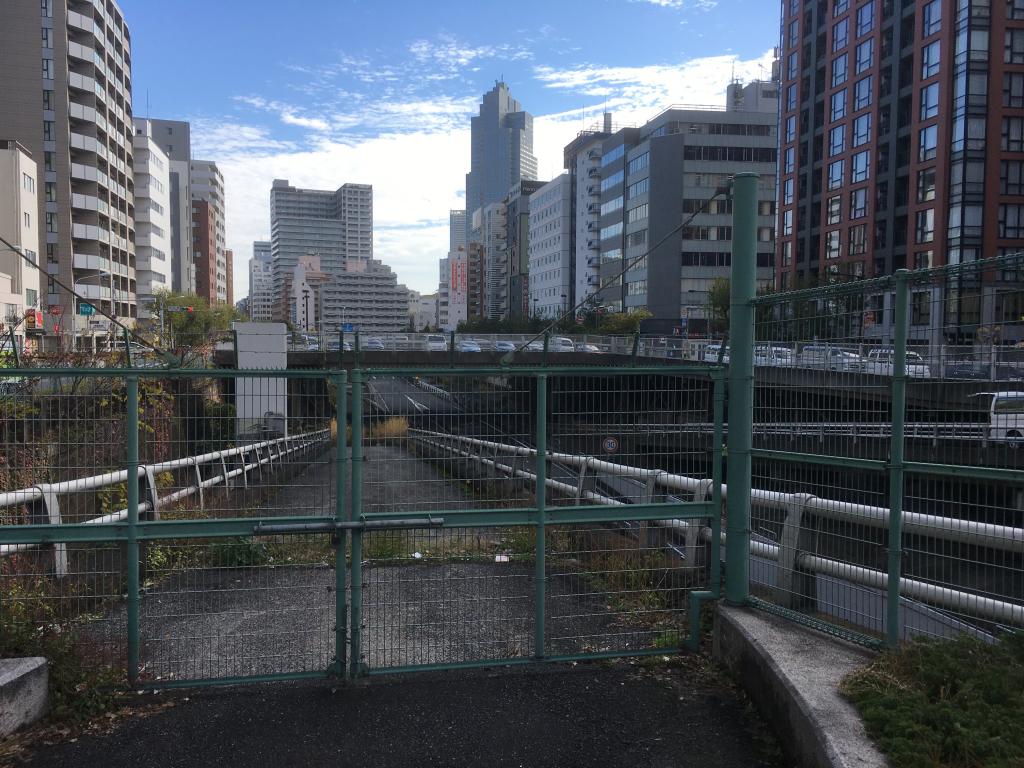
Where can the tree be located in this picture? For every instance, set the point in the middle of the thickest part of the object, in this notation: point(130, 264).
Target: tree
point(718, 305)
point(190, 324)
point(623, 323)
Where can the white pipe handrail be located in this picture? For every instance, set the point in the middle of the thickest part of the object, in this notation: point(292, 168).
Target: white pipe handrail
point(946, 597)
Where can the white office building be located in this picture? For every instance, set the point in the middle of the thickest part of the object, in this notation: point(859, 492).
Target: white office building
point(19, 282)
point(551, 251)
point(261, 283)
point(153, 262)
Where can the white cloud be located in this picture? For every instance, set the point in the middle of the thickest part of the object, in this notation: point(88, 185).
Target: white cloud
point(702, 5)
point(415, 151)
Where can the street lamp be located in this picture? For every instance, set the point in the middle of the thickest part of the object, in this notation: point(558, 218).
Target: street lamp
point(305, 317)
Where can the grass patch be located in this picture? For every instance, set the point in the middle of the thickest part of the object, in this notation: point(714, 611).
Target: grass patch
point(393, 428)
point(951, 703)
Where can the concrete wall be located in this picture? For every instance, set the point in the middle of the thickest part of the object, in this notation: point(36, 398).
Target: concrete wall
point(260, 346)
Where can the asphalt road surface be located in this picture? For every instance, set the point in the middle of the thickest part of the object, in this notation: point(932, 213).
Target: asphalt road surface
point(403, 397)
point(591, 715)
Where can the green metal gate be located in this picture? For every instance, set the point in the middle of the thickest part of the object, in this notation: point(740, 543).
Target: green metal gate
point(463, 517)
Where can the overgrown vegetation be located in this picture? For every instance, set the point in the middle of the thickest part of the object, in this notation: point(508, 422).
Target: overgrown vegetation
point(945, 704)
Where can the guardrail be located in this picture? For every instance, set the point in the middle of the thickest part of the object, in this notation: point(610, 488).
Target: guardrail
point(794, 505)
point(247, 458)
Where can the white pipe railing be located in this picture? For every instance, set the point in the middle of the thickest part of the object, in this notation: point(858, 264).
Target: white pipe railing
point(951, 529)
point(291, 444)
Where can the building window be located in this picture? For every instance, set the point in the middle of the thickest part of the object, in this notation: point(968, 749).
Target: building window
point(787, 253)
point(638, 163)
point(1014, 48)
point(794, 33)
point(924, 259)
point(833, 246)
point(47, 37)
point(839, 70)
point(641, 187)
point(28, 183)
point(859, 203)
point(1015, 10)
point(920, 308)
point(838, 105)
point(1013, 134)
point(840, 6)
point(611, 206)
point(930, 60)
point(636, 238)
point(931, 18)
point(51, 222)
point(1013, 89)
point(929, 101)
point(610, 181)
point(928, 141)
point(865, 56)
point(835, 175)
point(791, 97)
point(47, 69)
point(862, 130)
point(837, 140)
point(791, 128)
point(50, 189)
point(789, 160)
point(27, 220)
point(866, 18)
point(792, 66)
point(612, 230)
point(860, 166)
point(840, 34)
point(636, 214)
point(47, 99)
point(46, 8)
point(787, 192)
point(611, 156)
point(833, 210)
point(925, 185)
point(862, 94)
point(858, 240)
point(787, 223)
point(1011, 221)
point(48, 130)
point(925, 230)
point(1011, 177)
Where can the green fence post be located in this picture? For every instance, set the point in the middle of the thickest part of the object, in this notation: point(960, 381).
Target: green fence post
point(355, 513)
point(899, 405)
point(341, 537)
point(636, 348)
point(14, 347)
point(539, 573)
point(132, 486)
point(451, 349)
point(741, 385)
point(544, 356)
point(127, 347)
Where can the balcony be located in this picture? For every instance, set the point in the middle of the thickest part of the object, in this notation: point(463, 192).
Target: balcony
point(82, 82)
point(83, 23)
point(593, 226)
point(90, 262)
point(88, 203)
point(594, 208)
point(594, 173)
point(85, 172)
point(82, 52)
point(594, 190)
point(78, 111)
point(593, 245)
point(90, 291)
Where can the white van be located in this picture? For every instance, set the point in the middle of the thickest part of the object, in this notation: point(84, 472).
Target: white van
point(1006, 417)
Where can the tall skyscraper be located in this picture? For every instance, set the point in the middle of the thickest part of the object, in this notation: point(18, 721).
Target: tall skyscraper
point(261, 283)
point(501, 150)
point(153, 259)
point(65, 81)
point(902, 145)
point(209, 238)
point(518, 229)
point(175, 138)
point(337, 227)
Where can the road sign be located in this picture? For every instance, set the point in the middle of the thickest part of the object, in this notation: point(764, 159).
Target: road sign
point(610, 444)
point(348, 328)
point(86, 309)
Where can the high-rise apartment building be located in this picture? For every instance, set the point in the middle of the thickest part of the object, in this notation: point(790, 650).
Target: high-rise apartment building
point(902, 146)
point(501, 151)
point(20, 282)
point(336, 226)
point(175, 139)
point(153, 258)
point(551, 253)
point(655, 178)
point(583, 162)
point(491, 224)
point(65, 81)
point(261, 283)
point(206, 184)
point(229, 271)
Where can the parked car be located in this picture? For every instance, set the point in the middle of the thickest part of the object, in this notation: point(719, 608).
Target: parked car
point(371, 344)
point(332, 346)
point(880, 361)
point(830, 357)
point(436, 343)
point(769, 354)
point(504, 346)
point(484, 344)
point(591, 349)
point(467, 345)
point(712, 352)
point(560, 344)
point(535, 346)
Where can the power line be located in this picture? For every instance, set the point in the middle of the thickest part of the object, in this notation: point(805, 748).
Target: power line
point(167, 357)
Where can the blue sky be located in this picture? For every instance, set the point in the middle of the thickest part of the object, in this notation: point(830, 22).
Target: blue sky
point(381, 92)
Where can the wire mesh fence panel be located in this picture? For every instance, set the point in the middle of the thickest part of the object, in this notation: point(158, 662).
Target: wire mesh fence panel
point(237, 608)
point(447, 596)
point(618, 587)
point(436, 442)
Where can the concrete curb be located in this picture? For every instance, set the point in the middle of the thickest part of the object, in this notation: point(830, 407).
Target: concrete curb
point(24, 692)
point(792, 674)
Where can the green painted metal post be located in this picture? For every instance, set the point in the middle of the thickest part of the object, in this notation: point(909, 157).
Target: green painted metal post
point(355, 513)
point(451, 349)
point(539, 573)
point(127, 347)
point(14, 348)
point(899, 405)
point(636, 348)
point(340, 515)
point(132, 547)
point(547, 340)
point(741, 385)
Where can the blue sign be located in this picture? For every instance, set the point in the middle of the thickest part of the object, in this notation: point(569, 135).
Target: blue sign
point(348, 328)
point(86, 309)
